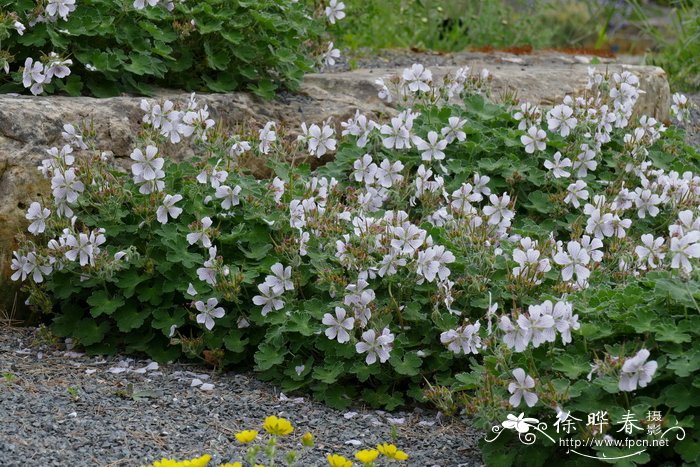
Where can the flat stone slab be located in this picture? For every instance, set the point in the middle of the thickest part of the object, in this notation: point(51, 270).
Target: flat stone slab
point(29, 124)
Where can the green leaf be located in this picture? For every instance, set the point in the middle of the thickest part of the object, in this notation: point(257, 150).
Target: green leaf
point(101, 303)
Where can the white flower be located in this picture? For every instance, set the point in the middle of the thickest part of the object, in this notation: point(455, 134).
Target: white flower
point(557, 167)
point(574, 261)
point(397, 135)
point(80, 248)
point(73, 137)
point(57, 67)
point(539, 324)
point(535, 139)
point(651, 250)
point(146, 165)
point(33, 76)
point(515, 337)
point(431, 263)
point(281, 279)
point(575, 192)
point(417, 77)
point(168, 208)
point(683, 249)
point(389, 174)
point(520, 389)
point(60, 8)
point(680, 109)
point(267, 136)
point(201, 235)
point(141, 4)
point(408, 238)
point(331, 55)
point(338, 325)
point(228, 195)
point(268, 299)
point(19, 27)
point(364, 169)
point(636, 371)
point(334, 11)
point(321, 140)
point(561, 119)
point(37, 267)
point(463, 339)
point(646, 203)
point(432, 148)
point(66, 186)
point(585, 161)
point(20, 265)
point(208, 312)
point(600, 225)
point(498, 210)
point(38, 216)
point(453, 130)
point(375, 346)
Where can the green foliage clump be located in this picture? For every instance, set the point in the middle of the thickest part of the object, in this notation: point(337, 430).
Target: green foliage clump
point(410, 267)
point(208, 45)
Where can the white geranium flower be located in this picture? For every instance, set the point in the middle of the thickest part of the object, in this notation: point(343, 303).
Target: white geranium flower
point(60, 8)
point(208, 312)
point(515, 337)
point(433, 149)
point(417, 78)
point(397, 135)
point(651, 250)
point(267, 136)
point(334, 11)
point(498, 211)
point(146, 165)
point(168, 208)
point(561, 120)
point(539, 324)
point(331, 55)
point(38, 216)
point(281, 278)
point(229, 196)
point(33, 76)
point(320, 140)
point(558, 165)
point(389, 174)
point(520, 389)
point(375, 346)
point(683, 249)
point(464, 339)
point(453, 130)
point(574, 260)
point(268, 299)
point(646, 203)
point(535, 139)
point(636, 371)
point(339, 325)
point(575, 192)
point(201, 235)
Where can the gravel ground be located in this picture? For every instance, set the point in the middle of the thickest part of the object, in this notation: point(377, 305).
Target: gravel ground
point(692, 126)
point(65, 408)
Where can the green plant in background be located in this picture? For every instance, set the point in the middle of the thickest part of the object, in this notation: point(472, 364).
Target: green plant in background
point(678, 43)
point(454, 25)
point(503, 254)
point(107, 47)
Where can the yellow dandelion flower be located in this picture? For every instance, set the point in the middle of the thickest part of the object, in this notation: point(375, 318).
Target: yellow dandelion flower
point(307, 439)
point(367, 455)
point(246, 436)
point(196, 462)
point(392, 452)
point(277, 426)
point(334, 460)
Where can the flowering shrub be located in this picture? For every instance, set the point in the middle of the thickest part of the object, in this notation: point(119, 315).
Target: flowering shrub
point(281, 427)
point(105, 47)
point(505, 250)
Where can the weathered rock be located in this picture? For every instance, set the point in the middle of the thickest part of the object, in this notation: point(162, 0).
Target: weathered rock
point(29, 125)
